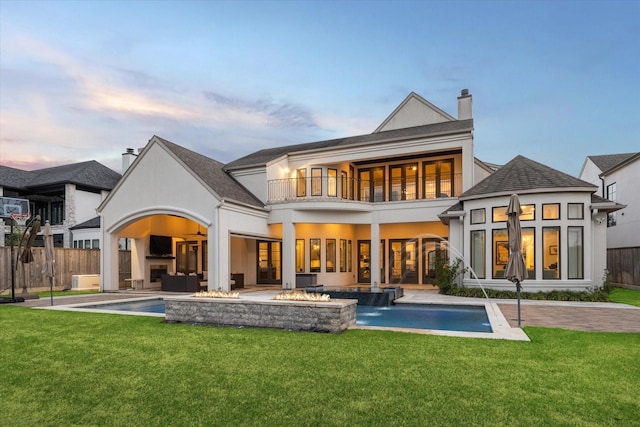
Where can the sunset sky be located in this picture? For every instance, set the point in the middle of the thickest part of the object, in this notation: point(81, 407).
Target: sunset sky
point(554, 81)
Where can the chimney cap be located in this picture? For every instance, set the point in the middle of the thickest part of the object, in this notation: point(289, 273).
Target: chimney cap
point(464, 92)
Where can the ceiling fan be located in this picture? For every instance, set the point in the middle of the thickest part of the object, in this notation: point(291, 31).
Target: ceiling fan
point(198, 233)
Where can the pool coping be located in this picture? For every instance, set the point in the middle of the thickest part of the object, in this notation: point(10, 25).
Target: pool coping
point(499, 324)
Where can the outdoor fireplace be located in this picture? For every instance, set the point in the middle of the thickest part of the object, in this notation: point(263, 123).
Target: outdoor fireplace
point(156, 272)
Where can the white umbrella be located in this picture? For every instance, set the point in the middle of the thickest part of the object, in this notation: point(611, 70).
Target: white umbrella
point(50, 262)
point(516, 270)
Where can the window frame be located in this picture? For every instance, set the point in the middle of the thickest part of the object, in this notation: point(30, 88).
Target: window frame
point(545, 217)
point(316, 182)
point(484, 216)
point(313, 252)
point(569, 205)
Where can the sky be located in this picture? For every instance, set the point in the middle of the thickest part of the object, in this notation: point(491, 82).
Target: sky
point(554, 81)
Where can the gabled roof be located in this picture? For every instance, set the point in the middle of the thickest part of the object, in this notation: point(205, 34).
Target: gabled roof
point(429, 113)
point(262, 157)
point(630, 159)
point(522, 175)
point(211, 172)
point(89, 174)
point(92, 223)
point(607, 161)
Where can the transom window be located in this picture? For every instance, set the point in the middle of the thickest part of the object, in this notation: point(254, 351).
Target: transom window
point(551, 211)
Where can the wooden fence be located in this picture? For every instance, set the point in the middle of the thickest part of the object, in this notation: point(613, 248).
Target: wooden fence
point(624, 266)
point(68, 263)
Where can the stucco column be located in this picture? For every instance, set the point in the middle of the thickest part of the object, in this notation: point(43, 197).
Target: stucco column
point(288, 255)
point(138, 270)
point(109, 267)
point(375, 255)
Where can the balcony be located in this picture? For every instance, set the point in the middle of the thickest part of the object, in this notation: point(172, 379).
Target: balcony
point(327, 188)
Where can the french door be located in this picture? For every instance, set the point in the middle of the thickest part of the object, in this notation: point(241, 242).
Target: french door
point(403, 261)
point(269, 263)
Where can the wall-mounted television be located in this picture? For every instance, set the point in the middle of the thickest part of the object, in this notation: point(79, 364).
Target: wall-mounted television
point(160, 245)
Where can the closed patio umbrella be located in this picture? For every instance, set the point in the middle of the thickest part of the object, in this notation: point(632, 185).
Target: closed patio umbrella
point(50, 262)
point(516, 270)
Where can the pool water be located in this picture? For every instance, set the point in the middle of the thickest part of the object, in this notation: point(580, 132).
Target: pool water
point(467, 318)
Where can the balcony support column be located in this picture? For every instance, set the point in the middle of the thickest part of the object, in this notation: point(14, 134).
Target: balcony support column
point(288, 255)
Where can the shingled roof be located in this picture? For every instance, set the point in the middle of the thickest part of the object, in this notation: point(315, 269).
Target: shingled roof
point(262, 157)
point(523, 175)
point(211, 172)
point(90, 174)
point(607, 161)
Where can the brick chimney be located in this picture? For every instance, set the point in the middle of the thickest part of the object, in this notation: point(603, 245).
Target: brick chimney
point(127, 159)
point(465, 105)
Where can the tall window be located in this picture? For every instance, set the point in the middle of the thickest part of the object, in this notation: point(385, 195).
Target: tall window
point(500, 256)
point(529, 251)
point(611, 195)
point(344, 184)
point(300, 255)
point(438, 179)
point(301, 182)
point(314, 250)
point(404, 182)
point(478, 253)
point(343, 255)
point(576, 253)
point(331, 256)
point(349, 256)
point(316, 181)
point(332, 182)
point(371, 184)
point(57, 213)
point(551, 252)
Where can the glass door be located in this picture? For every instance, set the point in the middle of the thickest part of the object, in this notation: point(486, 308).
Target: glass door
point(404, 261)
point(364, 261)
point(432, 251)
point(269, 263)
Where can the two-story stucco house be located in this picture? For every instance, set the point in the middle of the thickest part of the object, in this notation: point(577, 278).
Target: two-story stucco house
point(373, 209)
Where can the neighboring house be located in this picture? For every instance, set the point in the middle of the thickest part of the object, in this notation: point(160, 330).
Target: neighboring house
point(362, 209)
point(617, 176)
point(65, 195)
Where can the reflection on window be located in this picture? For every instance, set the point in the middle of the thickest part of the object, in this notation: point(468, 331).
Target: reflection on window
point(500, 257)
point(551, 211)
point(300, 255)
point(331, 256)
point(529, 251)
point(332, 182)
point(575, 254)
point(575, 210)
point(314, 250)
point(316, 182)
point(551, 252)
point(478, 216)
point(438, 179)
point(478, 253)
point(343, 255)
point(301, 182)
point(404, 182)
point(528, 212)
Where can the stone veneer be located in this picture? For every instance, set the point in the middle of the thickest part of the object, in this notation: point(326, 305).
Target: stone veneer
point(332, 316)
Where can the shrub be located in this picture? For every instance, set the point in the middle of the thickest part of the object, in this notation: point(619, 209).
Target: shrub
point(447, 275)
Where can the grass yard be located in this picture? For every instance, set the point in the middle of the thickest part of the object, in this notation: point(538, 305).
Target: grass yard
point(65, 368)
point(625, 296)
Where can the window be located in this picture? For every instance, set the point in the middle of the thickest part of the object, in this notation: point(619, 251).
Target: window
point(314, 249)
point(343, 255)
point(57, 213)
point(528, 213)
point(80, 244)
point(404, 182)
point(499, 214)
point(478, 253)
point(331, 256)
point(575, 211)
point(87, 244)
point(611, 195)
point(349, 256)
point(371, 185)
point(301, 182)
point(575, 252)
point(438, 179)
point(500, 256)
point(300, 255)
point(478, 216)
point(316, 181)
point(344, 184)
point(550, 253)
point(332, 182)
point(352, 183)
point(529, 251)
point(551, 211)
point(95, 244)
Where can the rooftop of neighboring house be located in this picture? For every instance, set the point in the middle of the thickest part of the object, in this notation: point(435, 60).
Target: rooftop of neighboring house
point(90, 174)
point(608, 161)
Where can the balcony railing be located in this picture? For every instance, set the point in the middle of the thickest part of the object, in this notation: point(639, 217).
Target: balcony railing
point(374, 191)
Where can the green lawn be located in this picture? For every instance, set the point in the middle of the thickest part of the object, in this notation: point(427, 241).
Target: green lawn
point(66, 368)
point(625, 296)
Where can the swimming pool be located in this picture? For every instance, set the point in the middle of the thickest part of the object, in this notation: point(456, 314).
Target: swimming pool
point(467, 318)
